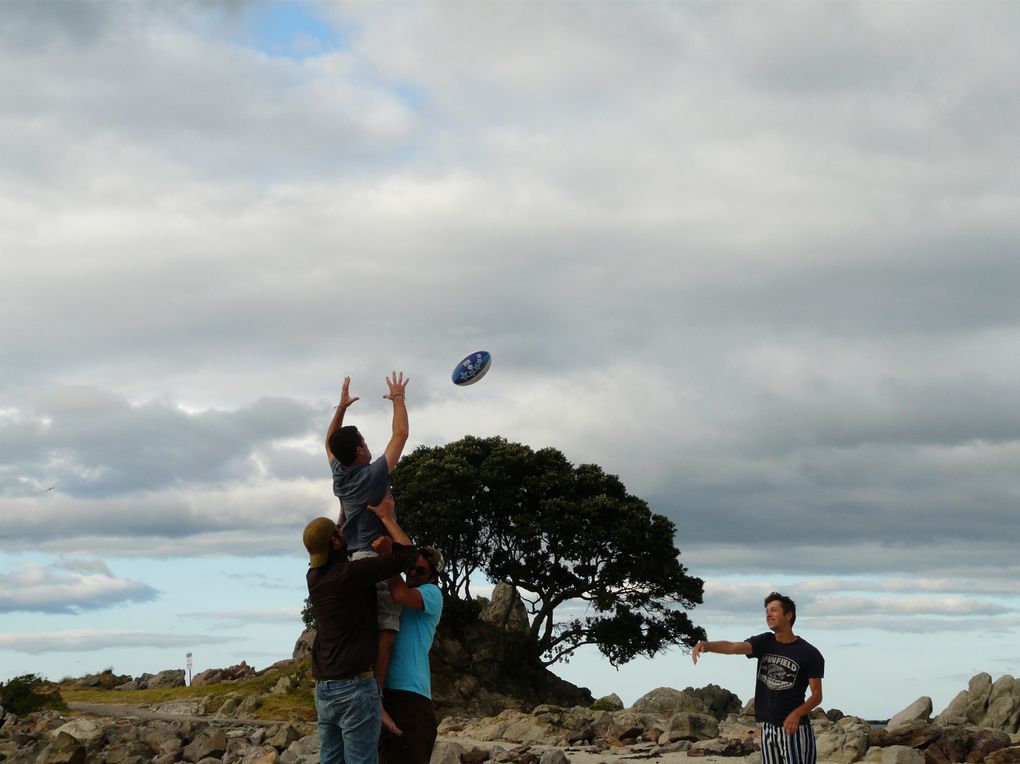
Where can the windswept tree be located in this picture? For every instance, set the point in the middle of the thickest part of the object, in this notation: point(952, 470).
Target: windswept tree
point(569, 538)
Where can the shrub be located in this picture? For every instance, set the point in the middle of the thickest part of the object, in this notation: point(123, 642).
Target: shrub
point(27, 693)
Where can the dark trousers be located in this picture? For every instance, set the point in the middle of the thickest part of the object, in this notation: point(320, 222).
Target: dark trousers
point(416, 716)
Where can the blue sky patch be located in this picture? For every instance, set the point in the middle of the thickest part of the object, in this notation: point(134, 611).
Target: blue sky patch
point(290, 30)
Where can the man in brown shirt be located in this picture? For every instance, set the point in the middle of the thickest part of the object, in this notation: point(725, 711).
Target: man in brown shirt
point(343, 595)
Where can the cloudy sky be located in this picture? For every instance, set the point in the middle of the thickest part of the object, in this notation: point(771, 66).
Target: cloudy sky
point(757, 259)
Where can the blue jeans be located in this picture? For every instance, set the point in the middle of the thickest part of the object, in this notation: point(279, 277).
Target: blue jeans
point(349, 717)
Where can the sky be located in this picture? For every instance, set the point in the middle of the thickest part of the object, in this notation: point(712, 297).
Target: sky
point(757, 259)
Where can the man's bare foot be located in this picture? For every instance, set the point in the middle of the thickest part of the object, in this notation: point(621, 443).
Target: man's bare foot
point(389, 725)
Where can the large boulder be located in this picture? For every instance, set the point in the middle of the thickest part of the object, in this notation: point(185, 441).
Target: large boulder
point(693, 726)
point(1009, 755)
point(845, 741)
point(918, 711)
point(303, 646)
point(894, 754)
point(506, 610)
point(165, 679)
point(985, 704)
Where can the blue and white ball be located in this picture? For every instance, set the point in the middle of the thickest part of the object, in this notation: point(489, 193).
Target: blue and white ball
point(472, 368)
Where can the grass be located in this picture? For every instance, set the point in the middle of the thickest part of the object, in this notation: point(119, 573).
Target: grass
point(298, 703)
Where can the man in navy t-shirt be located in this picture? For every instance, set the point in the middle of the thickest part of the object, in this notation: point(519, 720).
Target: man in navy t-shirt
point(787, 667)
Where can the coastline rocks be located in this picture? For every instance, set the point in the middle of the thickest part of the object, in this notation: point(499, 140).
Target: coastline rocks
point(164, 679)
point(711, 699)
point(50, 738)
point(844, 741)
point(985, 704)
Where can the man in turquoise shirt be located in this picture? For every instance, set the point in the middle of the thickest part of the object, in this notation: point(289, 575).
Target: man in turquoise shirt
point(407, 696)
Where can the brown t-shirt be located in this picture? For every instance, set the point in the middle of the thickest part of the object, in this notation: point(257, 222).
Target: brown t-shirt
point(343, 596)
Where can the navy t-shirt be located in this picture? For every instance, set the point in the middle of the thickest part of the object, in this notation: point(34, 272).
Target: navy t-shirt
point(783, 673)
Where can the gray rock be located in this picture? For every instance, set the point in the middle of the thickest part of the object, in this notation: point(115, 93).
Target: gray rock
point(692, 726)
point(210, 742)
point(83, 730)
point(894, 754)
point(846, 741)
point(611, 702)
point(282, 737)
point(1009, 755)
point(446, 752)
point(303, 646)
point(63, 749)
point(165, 679)
point(506, 610)
point(182, 708)
point(918, 711)
point(665, 702)
point(554, 756)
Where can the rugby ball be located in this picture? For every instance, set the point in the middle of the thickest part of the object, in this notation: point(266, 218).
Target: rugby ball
point(472, 368)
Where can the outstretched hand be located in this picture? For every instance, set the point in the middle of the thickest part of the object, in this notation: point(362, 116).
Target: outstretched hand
point(698, 650)
point(383, 545)
point(385, 509)
point(345, 395)
point(396, 385)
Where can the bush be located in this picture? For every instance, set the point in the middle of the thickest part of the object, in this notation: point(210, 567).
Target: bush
point(27, 693)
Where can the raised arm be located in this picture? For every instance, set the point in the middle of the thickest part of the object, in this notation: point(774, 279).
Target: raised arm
point(402, 593)
point(386, 511)
point(398, 439)
point(723, 647)
point(338, 416)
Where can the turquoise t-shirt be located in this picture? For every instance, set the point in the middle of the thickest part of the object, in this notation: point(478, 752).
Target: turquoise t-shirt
point(409, 662)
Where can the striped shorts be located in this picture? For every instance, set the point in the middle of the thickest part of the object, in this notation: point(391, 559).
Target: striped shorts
point(779, 748)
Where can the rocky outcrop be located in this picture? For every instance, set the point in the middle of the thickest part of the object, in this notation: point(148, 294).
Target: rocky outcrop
point(918, 711)
point(50, 738)
point(986, 704)
point(506, 610)
point(164, 679)
point(230, 674)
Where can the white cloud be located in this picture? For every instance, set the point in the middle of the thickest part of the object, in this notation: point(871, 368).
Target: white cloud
point(45, 589)
point(35, 643)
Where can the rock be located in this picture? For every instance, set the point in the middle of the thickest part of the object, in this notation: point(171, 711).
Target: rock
point(722, 747)
point(916, 734)
point(283, 686)
point(692, 726)
point(284, 736)
point(846, 741)
point(956, 712)
point(1003, 705)
point(446, 752)
point(303, 646)
point(230, 674)
point(665, 702)
point(83, 730)
point(986, 742)
point(554, 756)
point(950, 747)
point(1009, 755)
point(261, 756)
point(63, 749)
point(979, 689)
point(918, 711)
point(164, 679)
point(210, 742)
point(611, 702)
point(182, 708)
point(506, 610)
point(228, 707)
point(895, 754)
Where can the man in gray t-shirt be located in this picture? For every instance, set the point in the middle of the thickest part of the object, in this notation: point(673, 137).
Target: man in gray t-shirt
point(358, 482)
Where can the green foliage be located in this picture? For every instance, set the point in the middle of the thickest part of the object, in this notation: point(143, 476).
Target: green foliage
point(27, 693)
point(558, 533)
point(308, 615)
point(603, 705)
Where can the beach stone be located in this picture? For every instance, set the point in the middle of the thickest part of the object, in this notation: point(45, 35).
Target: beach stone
point(895, 754)
point(554, 756)
point(956, 712)
point(692, 726)
point(986, 742)
point(918, 711)
point(950, 747)
point(182, 708)
point(82, 729)
point(1009, 755)
point(722, 747)
point(1003, 705)
point(446, 752)
point(916, 734)
point(210, 742)
point(664, 702)
point(282, 737)
point(261, 756)
point(611, 702)
point(846, 741)
point(63, 749)
point(166, 679)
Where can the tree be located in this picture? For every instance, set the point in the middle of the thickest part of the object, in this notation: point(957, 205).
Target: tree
point(560, 534)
